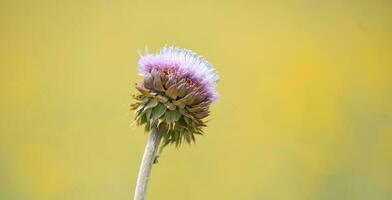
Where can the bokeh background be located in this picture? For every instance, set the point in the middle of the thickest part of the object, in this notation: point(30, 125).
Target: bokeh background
point(305, 109)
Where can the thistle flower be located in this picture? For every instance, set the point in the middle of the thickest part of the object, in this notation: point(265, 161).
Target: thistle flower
point(173, 102)
point(176, 93)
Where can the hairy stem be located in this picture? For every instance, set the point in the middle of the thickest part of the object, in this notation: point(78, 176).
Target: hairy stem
point(146, 165)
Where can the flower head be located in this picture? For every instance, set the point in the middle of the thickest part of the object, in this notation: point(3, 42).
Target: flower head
point(176, 93)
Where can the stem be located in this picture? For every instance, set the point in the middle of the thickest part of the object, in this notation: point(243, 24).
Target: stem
point(146, 165)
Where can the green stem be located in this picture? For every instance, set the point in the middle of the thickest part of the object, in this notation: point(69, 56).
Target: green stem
point(146, 165)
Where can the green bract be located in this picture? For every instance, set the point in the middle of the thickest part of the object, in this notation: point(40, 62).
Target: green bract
point(176, 107)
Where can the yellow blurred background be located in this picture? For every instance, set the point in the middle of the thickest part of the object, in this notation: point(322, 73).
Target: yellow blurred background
point(305, 109)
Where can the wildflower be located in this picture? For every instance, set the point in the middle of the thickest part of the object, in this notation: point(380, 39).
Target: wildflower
point(178, 89)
